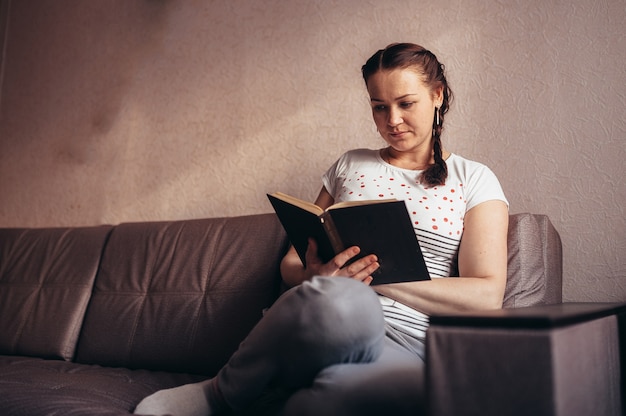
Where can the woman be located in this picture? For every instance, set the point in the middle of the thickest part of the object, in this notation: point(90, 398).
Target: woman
point(336, 345)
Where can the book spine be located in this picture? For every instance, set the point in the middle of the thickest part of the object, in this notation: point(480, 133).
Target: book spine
point(331, 232)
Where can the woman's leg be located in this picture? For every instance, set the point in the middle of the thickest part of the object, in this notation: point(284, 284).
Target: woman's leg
point(320, 323)
point(393, 385)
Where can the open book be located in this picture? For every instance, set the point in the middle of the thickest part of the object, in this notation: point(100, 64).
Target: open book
point(380, 227)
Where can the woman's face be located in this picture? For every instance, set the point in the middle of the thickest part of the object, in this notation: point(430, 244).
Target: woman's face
point(403, 108)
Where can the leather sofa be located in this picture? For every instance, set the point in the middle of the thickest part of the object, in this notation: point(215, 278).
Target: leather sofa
point(92, 319)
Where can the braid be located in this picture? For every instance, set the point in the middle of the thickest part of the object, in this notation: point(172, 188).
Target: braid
point(437, 173)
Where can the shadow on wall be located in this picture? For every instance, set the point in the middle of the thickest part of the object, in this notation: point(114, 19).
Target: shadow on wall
point(4, 26)
point(89, 63)
point(145, 100)
point(68, 70)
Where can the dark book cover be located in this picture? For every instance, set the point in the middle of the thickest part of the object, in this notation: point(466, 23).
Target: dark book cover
point(380, 228)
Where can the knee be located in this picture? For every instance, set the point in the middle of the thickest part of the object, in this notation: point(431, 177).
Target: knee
point(348, 293)
point(335, 313)
point(342, 304)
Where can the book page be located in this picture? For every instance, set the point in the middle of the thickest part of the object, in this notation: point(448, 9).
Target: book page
point(311, 207)
point(300, 203)
point(346, 204)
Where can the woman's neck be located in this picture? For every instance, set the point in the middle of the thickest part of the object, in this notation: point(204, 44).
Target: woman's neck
point(410, 160)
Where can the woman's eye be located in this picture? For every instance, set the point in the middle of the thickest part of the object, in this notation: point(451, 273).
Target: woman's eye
point(407, 104)
point(380, 107)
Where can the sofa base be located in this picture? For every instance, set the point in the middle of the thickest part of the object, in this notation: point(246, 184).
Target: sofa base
point(34, 386)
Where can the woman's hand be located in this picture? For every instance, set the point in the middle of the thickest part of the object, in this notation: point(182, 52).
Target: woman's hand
point(361, 269)
point(294, 272)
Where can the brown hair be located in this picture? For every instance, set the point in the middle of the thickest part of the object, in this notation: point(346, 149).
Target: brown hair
point(409, 55)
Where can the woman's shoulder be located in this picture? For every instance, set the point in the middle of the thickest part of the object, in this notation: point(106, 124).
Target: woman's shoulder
point(466, 167)
point(479, 181)
point(458, 160)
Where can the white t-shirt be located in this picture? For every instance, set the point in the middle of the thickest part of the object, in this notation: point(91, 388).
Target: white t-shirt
point(437, 212)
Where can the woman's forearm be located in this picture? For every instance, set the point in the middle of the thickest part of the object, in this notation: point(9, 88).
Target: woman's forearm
point(448, 295)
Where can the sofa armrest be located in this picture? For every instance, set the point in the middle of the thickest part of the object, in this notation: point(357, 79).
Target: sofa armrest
point(559, 359)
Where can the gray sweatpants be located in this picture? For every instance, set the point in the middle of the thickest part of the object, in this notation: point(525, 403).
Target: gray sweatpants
point(327, 342)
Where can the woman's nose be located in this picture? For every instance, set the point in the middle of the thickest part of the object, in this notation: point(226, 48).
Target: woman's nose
point(394, 117)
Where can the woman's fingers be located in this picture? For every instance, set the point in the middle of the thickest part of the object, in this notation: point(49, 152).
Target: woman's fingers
point(360, 269)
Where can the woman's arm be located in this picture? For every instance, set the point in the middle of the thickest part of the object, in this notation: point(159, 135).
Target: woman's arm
point(294, 272)
point(482, 268)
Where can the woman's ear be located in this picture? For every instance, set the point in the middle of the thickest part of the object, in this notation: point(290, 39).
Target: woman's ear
point(438, 96)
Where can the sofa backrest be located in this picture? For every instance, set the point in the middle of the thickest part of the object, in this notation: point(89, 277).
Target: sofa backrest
point(180, 296)
point(535, 268)
point(46, 278)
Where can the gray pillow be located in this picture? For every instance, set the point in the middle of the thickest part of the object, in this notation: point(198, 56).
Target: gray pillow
point(526, 272)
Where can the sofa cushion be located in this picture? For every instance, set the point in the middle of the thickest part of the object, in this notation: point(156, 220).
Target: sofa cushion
point(181, 296)
point(46, 278)
point(33, 386)
point(552, 248)
point(526, 274)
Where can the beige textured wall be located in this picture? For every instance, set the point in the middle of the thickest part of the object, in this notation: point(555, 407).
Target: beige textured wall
point(117, 110)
